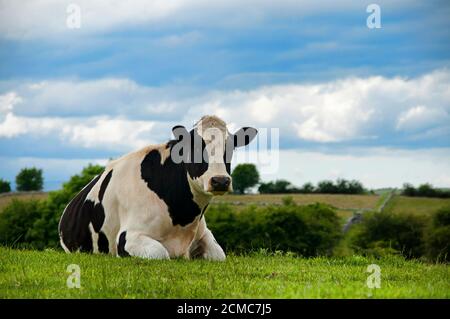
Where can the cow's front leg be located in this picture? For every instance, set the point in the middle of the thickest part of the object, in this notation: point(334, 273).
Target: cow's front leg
point(132, 243)
point(207, 247)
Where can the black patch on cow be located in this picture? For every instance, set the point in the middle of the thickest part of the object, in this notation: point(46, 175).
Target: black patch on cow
point(169, 182)
point(171, 143)
point(121, 245)
point(105, 182)
point(197, 164)
point(74, 225)
point(103, 244)
point(97, 215)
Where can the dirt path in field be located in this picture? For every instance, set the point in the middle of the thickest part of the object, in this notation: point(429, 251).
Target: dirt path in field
point(357, 216)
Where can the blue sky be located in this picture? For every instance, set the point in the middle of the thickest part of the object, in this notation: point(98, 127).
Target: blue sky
point(338, 91)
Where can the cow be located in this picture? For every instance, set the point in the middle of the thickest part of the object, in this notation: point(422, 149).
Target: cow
point(151, 203)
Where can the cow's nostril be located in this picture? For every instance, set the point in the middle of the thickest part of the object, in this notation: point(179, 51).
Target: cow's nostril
point(214, 181)
point(220, 182)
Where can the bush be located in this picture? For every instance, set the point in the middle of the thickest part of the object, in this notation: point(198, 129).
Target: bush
point(306, 230)
point(29, 179)
point(5, 186)
point(437, 237)
point(385, 233)
point(17, 223)
point(34, 224)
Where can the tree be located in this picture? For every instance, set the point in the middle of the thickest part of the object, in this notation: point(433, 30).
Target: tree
point(29, 179)
point(5, 186)
point(409, 190)
point(244, 176)
point(326, 187)
point(355, 187)
point(307, 188)
point(426, 190)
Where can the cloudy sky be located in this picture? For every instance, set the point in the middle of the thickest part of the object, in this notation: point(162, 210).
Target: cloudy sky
point(348, 101)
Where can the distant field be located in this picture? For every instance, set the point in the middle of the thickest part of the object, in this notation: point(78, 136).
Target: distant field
point(416, 205)
point(5, 199)
point(338, 201)
point(345, 204)
point(38, 274)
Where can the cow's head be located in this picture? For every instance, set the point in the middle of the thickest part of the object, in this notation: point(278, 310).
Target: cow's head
point(206, 153)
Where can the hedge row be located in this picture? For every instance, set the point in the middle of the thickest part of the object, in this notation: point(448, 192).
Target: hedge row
point(306, 230)
point(34, 223)
point(412, 236)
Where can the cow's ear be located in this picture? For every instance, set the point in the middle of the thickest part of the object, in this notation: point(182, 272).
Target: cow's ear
point(244, 136)
point(179, 132)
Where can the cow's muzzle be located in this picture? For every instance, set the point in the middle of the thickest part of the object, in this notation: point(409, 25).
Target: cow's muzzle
point(219, 184)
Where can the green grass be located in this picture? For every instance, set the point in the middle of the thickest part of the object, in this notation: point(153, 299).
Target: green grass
point(416, 205)
point(34, 274)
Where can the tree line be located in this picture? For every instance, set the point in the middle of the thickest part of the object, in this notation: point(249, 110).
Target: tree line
point(341, 186)
point(424, 190)
point(28, 179)
point(246, 176)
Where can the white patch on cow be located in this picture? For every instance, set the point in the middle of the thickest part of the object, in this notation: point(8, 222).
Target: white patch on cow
point(143, 246)
point(63, 245)
point(164, 152)
point(212, 251)
point(206, 245)
point(214, 132)
point(94, 237)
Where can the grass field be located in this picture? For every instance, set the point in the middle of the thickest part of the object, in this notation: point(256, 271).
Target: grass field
point(416, 205)
point(338, 201)
point(345, 205)
point(33, 274)
point(5, 199)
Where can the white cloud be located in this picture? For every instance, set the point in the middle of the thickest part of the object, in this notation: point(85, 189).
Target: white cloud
point(108, 96)
point(7, 102)
point(94, 132)
point(110, 111)
point(341, 110)
point(421, 116)
point(47, 18)
point(176, 40)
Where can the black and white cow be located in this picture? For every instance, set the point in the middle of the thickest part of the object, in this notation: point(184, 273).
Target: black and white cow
point(150, 203)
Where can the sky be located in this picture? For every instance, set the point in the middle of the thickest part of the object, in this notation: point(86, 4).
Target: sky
point(346, 100)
